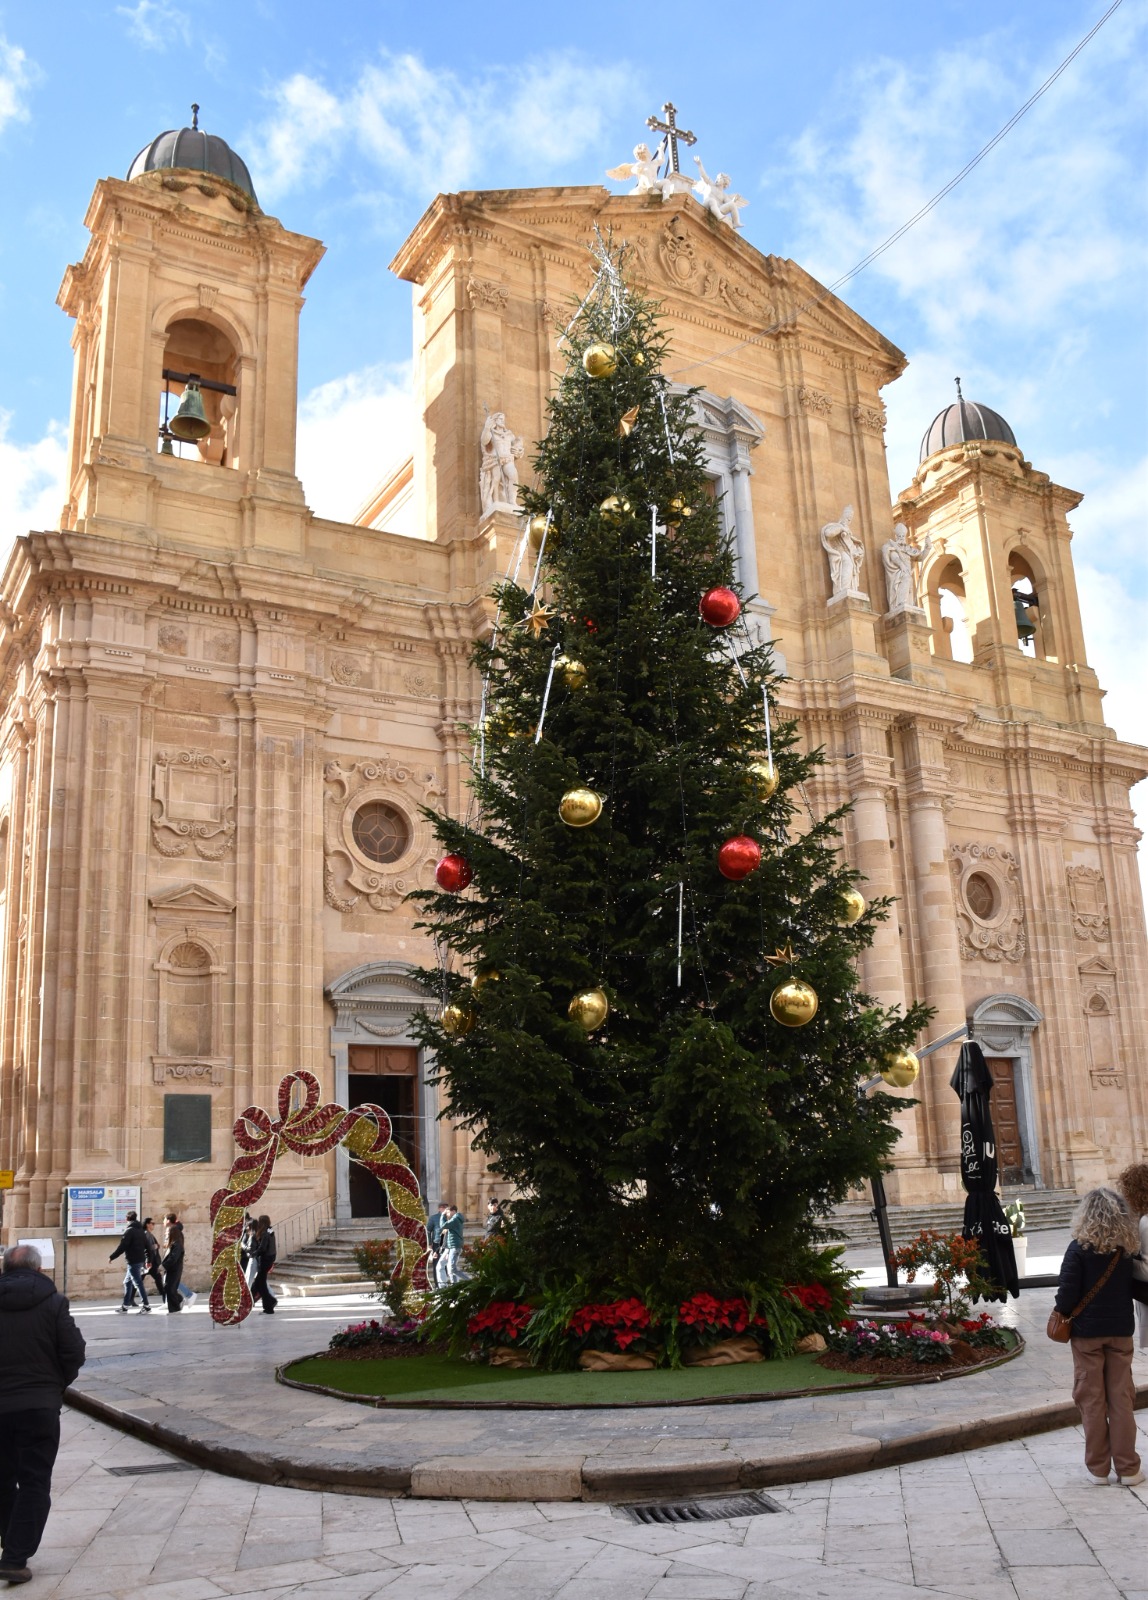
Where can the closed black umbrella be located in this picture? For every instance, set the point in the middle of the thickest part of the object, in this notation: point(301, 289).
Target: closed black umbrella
point(985, 1220)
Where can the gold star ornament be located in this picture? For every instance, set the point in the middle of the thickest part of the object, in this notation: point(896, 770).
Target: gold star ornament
point(783, 957)
point(537, 618)
point(626, 422)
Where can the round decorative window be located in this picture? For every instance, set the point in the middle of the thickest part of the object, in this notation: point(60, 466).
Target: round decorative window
point(982, 895)
point(381, 831)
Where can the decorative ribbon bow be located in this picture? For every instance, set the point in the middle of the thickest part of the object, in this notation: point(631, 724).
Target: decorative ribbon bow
point(310, 1130)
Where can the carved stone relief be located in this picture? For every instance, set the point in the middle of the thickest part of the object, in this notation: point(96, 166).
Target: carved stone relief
point(481, 292)
point(813, 400)
point(347, 671)
point(193, 803)
point(221, 647)
point(990, 913)
point(868, 417)
point(172, 640)
point(1098, 1003)
point(390, 849)
point(1089, 900)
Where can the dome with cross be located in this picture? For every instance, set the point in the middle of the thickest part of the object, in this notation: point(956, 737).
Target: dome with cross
point(192, 150)
point(964, 419)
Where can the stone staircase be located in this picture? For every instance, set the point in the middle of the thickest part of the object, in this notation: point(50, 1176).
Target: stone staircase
point(328, 1267)
point(855, 1225)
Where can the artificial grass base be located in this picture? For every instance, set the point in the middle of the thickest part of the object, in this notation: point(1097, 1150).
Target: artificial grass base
point(436, 1379)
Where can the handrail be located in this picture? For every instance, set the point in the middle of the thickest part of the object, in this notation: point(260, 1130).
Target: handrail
point(301, 1228)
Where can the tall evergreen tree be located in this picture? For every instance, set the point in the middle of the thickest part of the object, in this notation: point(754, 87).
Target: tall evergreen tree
point(689, 1141)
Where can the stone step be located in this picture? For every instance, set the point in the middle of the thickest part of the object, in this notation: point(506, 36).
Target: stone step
point(855, 1224)
point(310, 1291)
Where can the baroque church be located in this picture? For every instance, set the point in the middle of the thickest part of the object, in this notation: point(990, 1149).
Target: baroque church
point(223, 713)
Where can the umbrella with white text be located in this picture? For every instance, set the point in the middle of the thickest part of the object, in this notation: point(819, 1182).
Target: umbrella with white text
point(985, 1220)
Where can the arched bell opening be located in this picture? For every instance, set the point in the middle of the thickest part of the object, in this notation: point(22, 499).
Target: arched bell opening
point(1032, 616)
point(952, 637)
point(199, 393)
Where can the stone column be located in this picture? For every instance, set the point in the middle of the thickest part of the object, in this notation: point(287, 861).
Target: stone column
point(940, 955)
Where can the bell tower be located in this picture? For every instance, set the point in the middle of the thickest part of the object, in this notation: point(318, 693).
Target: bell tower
point(186, 307)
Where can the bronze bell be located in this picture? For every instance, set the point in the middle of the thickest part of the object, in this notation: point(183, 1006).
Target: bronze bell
point(1025, 627)
point(190, 421)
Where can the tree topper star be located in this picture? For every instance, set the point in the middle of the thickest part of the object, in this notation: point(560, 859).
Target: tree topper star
point(783, 956)
point(537, 618)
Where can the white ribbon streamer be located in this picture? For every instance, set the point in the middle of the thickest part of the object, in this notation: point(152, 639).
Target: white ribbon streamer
point(554, 654)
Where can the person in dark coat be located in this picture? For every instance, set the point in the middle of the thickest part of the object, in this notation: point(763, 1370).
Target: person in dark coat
point(262, 1252)
point(154, 1258)
point(133, 1247)
point(497, 1224)
point(1104, 1236)
point(173, 1262)
point(41, 1351)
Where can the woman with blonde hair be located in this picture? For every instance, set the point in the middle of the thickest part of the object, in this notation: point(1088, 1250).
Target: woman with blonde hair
point(1096, 1291)
point(1133, 1183)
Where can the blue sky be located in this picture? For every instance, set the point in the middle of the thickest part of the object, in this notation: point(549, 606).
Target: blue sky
point(836, 120)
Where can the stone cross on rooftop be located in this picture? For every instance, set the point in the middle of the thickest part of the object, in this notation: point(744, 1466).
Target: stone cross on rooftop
point(672, 132)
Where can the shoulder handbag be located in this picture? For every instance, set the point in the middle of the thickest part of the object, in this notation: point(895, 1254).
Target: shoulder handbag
point(1059, 1326)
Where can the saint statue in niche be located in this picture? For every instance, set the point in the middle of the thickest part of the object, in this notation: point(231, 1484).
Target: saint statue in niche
point(498, 474)
point(898, 557)
point(843, 546)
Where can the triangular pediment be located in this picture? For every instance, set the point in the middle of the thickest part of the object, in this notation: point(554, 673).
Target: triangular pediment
point(190, 897)
point(699, 268)
point(1096, 967)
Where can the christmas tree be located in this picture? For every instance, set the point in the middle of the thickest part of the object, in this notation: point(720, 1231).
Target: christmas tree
point(649, 1016)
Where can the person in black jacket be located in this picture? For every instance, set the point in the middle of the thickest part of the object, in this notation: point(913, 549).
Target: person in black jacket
point(41, 1351)
point(173, 1263)
point(1104, 1237)
point(262, 1252)
point(133, 1246)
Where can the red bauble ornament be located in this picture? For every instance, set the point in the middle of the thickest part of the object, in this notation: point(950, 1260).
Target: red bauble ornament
point(719, 607)
point(738, 857)
point(453, 873)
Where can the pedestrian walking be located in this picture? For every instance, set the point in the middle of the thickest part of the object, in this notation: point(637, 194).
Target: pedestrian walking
point(262, 1252)
point(1133, 1185)
point(497, 1223)
point(134, 1249)
point(41, 1351)
point(1095, 1292)
point(154, 1258)
point(450, 1240)
point(435, 1240)
point(177, 1295)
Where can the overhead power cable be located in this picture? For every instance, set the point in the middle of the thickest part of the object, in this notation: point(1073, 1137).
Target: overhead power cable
point(930, 205)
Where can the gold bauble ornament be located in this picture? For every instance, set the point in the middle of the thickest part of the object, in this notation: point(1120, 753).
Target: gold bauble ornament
point(852, 908)
point(573, 673)
point(900, 1068)
point(793, 1003)
point(679, 509)
point(484, 976)
point(589, 1009)
point(614, 509)
point(537, 531)
point(600, 360)
point(764, 779)
point(578, 808)
point(457, 1021)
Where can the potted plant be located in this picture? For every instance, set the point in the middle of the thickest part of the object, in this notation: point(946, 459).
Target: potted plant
point(1016, 1220)
point(618, 1336)
point(718, 1333)
point(496, 1332)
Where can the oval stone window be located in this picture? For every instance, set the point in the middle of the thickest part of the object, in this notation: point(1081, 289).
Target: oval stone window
point(982, 895)
point(381, 831)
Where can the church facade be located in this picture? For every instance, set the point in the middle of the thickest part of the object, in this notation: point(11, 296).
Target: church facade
point(222, 714)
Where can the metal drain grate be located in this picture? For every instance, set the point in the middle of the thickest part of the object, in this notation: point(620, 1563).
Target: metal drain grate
point(152, 1467)
point(717, 1509)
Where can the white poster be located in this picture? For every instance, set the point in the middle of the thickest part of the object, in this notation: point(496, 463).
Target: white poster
point(100, 1210)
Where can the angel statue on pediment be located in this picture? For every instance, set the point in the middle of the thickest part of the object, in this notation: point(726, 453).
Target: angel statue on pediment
point(715, 196)
point(643, 169)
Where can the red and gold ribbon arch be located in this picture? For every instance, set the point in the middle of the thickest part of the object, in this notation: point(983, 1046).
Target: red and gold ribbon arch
point(310, 1129)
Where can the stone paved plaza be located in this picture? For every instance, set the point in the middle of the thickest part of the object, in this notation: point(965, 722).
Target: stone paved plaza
point(1011, 1522)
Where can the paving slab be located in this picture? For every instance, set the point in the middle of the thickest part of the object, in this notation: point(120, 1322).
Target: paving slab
point(209, 1395)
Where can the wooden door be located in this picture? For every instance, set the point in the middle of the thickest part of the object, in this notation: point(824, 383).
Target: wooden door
point(1006, 1120)
point(385, 1075)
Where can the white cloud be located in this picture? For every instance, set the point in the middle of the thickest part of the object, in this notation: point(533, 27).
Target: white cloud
point(31, 481)
point(353, 431)
point(155, 24)
point(17, 75)
point(1047, 217)
point(425, 129)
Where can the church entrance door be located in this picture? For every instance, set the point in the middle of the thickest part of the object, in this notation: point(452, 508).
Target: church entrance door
point(1006, 1120)
point(388, 1076)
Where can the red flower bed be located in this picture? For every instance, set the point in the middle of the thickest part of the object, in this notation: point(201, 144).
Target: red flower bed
point(704, 1319)
point(620, 1325)
point(501, 1322)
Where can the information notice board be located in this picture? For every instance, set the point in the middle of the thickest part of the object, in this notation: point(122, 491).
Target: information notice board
point(100, 1210)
